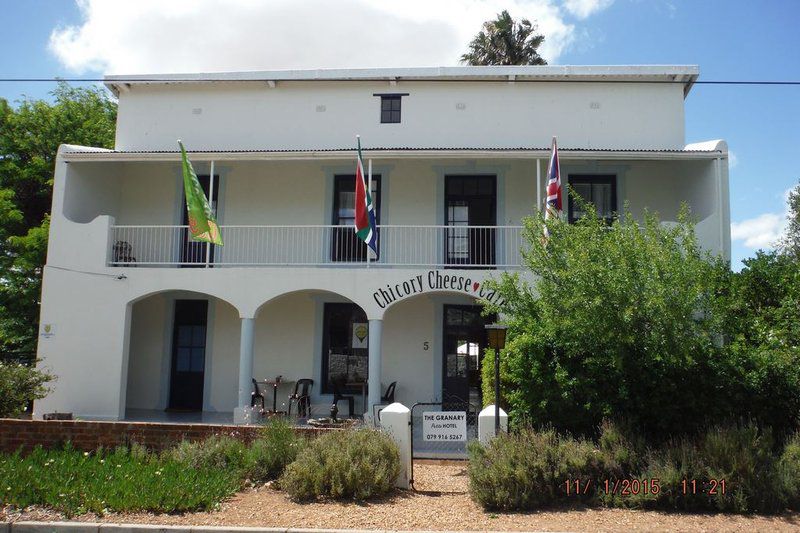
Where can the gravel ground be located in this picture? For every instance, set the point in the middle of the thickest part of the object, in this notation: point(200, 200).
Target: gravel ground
point(440, 503)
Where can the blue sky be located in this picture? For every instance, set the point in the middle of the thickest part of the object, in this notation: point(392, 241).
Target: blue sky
point(729, 40)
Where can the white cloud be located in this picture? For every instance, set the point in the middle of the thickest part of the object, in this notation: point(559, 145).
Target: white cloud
point(156, 36)
point(763, 231)
point(585, 8)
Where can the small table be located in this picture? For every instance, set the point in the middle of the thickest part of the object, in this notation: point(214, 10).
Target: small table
point(363, 386)
point(275, 382)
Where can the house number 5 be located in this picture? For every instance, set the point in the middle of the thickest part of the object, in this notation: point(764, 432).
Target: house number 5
point(426, 345)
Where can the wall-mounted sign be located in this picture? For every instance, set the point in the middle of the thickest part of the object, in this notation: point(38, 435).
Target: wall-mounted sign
point(360, 334)
point(48, 330)
point(435, 280)
point(448, 426)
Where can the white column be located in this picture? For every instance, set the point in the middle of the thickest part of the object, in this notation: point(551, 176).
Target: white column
point(538, 185)
point(374, 381)
point(486, 424)
point(396, 421)
point(245, 370)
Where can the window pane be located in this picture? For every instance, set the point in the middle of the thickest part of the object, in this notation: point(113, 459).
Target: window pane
point(395, 103)
point(386, 104)
point(601, 197)
point(346, 361)
point(198, 359)
point(184, 335)
point(183, 362)
point(198, 336)
point(458, 213)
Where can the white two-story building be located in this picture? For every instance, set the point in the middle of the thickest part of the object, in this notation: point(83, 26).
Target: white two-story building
point(137, 320)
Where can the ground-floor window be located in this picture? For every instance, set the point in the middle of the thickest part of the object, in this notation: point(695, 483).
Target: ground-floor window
point(345, 353)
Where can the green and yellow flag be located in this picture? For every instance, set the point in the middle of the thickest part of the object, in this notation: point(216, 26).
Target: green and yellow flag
point(202, 225)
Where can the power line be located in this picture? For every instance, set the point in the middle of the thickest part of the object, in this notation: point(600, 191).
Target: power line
point(398, 79)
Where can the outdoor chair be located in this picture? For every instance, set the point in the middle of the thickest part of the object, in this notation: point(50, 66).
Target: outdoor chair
point(302, 397)
point(389, 396)
point(338, 397)
point(123, 253)
point(256, 395)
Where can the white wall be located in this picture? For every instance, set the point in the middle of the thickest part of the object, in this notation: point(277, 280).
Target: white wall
point(285, 344)
point(149, 347)
point(246, 116)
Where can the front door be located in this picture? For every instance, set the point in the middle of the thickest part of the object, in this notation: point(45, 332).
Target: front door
point(188, 355)
point(194, 253)
point(470, 210)
point(464, 343)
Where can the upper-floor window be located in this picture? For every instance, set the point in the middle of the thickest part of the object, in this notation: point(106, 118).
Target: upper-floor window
point(345, 245)
point(390, 107)
point(600, 191)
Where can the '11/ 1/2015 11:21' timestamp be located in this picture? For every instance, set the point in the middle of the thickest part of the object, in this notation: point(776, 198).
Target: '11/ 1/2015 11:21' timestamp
point(627, 487)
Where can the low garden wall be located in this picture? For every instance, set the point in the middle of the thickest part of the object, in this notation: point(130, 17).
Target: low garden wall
point(87, 436)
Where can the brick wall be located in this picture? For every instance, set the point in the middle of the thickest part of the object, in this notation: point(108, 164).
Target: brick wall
point(87, 436)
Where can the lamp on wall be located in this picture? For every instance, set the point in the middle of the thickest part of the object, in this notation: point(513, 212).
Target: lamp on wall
point(496, 334)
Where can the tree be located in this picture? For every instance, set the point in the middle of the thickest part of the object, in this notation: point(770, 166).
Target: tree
point(505, 42)
point(29, 139)
point(637, 323)
point(791, 241)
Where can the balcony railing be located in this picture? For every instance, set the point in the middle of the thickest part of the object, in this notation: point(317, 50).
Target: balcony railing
point(400, 246)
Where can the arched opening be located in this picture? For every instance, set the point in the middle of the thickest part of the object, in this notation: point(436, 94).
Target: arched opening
point(312, 334)
point(433, 345)
point(183, 358)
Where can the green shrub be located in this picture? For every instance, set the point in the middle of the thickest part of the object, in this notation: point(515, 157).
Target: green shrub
point(627, 321)
point(216, 452)
point(119, 480)
point(529, 469)
point(20, 384)
point(742, 456)
point(351, 464)
point(270, 454)
point(789, 470)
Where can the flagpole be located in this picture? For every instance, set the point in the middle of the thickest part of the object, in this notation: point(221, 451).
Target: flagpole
point(211, 204)
point(369, 191)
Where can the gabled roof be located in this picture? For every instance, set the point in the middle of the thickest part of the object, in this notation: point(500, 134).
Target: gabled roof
point(683, 74)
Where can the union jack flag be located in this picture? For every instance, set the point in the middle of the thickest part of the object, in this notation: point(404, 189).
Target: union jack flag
point(552, 204)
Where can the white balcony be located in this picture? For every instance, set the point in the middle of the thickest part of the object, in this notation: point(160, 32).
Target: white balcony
point(330, 246)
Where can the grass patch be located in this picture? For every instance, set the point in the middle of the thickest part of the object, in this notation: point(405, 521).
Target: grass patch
point(122, 479)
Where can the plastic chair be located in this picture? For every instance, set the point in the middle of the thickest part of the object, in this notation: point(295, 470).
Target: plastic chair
point(256, 395)
point(338, 397)
point(302, 397)
point(389, 396)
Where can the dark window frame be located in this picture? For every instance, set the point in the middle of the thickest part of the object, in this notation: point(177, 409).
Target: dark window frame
point(610, 179)
point(345, 246)
point(451, 196)
point(391, 107)
point(356, 315)
point(193, 253)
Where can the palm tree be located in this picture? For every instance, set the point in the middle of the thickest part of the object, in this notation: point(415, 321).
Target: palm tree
point(505, 42)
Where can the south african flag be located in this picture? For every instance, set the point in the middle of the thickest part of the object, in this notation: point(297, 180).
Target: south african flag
point(365, 227)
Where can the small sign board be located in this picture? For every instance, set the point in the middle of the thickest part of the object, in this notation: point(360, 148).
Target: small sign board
point(48, 330)
point(448, 426)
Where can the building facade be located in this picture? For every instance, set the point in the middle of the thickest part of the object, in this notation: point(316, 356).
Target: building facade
point(137, 319)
